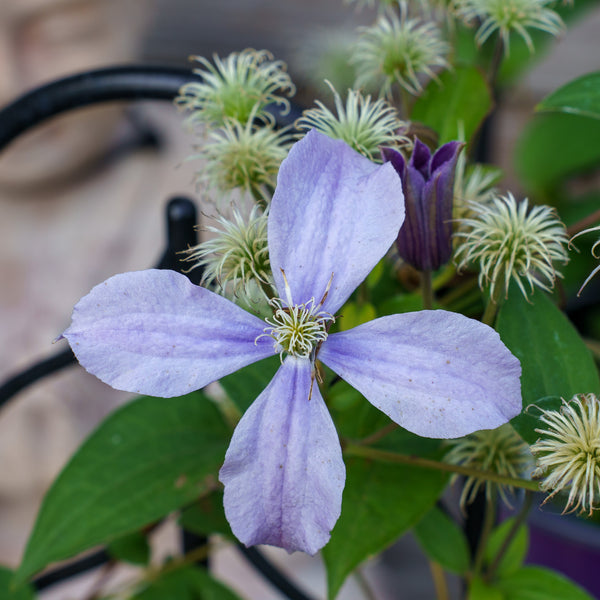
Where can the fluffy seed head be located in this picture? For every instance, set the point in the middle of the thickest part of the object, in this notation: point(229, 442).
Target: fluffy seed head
point(508, 241)
point(237, 88)
point(399, 50)
point(236, 256)
point(506, 16)
point(500, 451)
point(362, 123)
point(568, 453)
point(243, 157)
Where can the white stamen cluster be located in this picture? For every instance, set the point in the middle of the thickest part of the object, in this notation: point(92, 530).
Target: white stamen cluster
point(298, 328)
point(500, 451)
point(236, 87)
point(362, 123)
point(568, 453)
point(399, 50)
point(509, 241)
point(506, 16)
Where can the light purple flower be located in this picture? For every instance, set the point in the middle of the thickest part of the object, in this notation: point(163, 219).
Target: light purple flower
point(332, 218)
point(425, 240)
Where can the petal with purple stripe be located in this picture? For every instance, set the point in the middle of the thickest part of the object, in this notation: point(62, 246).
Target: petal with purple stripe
point(436, 373)
point(154, 332)
point(283, 471)
point(333, 216)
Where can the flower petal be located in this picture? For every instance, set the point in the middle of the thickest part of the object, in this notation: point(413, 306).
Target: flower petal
point(283, 471)
point(436, 373)
point(334, 213)
point(154, 332)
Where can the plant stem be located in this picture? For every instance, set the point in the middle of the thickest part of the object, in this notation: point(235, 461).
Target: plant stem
point(495, 63)
point(379, 434)
point(584, 223)
point(489, 315)
point(519, 519)
point(427, 289)
point(364, 585)
point(488, 525)
point(439, 581)
point(417, 461)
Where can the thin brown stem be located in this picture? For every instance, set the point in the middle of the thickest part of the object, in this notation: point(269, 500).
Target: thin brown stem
point(488, 524)
point(351, 449)
point(439, 581)
point(519, 520)
point(378, 435)
point(584, 223)
point(426, 289)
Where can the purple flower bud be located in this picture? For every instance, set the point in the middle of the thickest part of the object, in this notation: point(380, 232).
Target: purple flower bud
point(425, 239)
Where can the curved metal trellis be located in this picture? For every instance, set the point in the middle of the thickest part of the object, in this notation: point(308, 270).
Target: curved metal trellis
point(121, 83)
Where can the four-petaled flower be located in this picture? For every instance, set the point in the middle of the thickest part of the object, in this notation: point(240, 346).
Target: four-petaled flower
point(333, 216)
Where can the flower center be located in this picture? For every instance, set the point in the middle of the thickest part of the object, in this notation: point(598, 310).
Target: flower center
point(298, 329)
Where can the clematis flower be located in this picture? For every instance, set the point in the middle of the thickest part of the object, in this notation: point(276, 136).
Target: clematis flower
point(425, 240)
point(333, 216)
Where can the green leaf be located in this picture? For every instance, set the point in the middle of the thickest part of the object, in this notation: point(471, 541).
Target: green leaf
point(579, 97)
point(131, 548)
point(526, 423)
point(537, 583)
point(354, 314)
point(480, 590)
point(245, 385)
point(187, 583)
point(443, 541)
point(556, 146)
point(206, 516)
point(147, 459)
point(554, 359)
point(381, 502)
point(515, 553)
point(459, 102)
point(8, 591)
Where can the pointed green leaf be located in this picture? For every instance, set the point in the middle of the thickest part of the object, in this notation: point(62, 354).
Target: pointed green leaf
point(186, 583)
point(382, 500)
point(579, 97)
point(554, 359)
point(8, 591)
point(537, 583)
point(528, 421)
point(131, 548)
point(514, 555)
point(458, 103)
point(443, 541)
point(480, 590)
point(147, 459)
point(245, 385)
point(556, 146)
point(207, 516)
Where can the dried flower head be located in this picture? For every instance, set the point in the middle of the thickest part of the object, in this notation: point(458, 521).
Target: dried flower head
point(509, 241)
point(500, 451)
point(506, 16)
point(243, 157)
point(399, 50)
point(236, 256)
point(238, 88)
point(595, 247)
point(568, 452)
point(362, 123)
